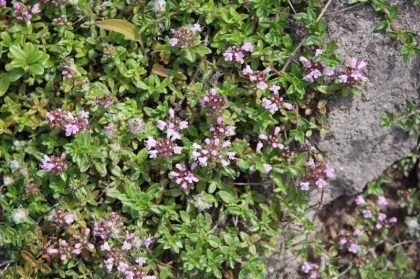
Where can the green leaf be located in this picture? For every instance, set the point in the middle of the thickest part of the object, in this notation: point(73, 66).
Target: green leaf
point(190, 55)
point(203, 50)
point(15, 74)
point(36, 69)
point(17, 53)
point(226, 197)
point(4, 83)
point(120, 26)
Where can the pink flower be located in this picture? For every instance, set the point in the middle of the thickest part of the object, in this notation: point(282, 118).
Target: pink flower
point(354, 248)
point(381, 217)
point(185, 178)
point(126, 246)
point(311, 163)
point(141, 261)
point(69, 218)
point(110, 130)
point(173, 41)
point(122, 266)
point(304, 186)
point(357, 232)
point(275, 89)
point(382, 200)
point(35, 9)
point(196, 27)
point(259, 146)
point(320, 183)
point(342, 78)
point(173, 126)
point(54, 164)
point(109, 263)
point(342, 241)
point(247, 47)
point(148, 241)
point(247, 70)
point(105, 246)
point(360, 200)
point(329, 171)
point(2, 3)
point(393, 220)
point(262, 85)
point(267, 168)
point(367, 214)
point(306, 267)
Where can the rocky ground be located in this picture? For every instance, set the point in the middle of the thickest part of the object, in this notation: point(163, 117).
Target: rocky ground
point(357, 146)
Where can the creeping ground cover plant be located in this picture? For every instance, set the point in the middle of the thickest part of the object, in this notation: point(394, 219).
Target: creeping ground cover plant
point(162, 139)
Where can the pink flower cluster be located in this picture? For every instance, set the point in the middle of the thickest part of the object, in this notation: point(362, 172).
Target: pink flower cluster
point(257, 77)
point(68, 68)
point(185, 36)
point(349, 240)
point(118, 257)
point(173, 126)
point(3, 3)
point(349, 76)
point(25, 13)
point(311, 269)
point(61, 20)
point(62, 248)
point(237, 54)
point(63, 219)
point(315, 70)
point(220, 130)
point(106, 228)
point(275, 103)
point(214, 151)
point(353, 75)
point(162, 147)
point(65, 249)
point(104, 101)
point(212, 101)
point(53, 164)
point(384, 222)
point(184, 177)
point(272, 140)
point(318, 174)
point(67, 121)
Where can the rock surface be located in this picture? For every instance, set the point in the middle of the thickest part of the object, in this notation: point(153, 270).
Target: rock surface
point(357, 147)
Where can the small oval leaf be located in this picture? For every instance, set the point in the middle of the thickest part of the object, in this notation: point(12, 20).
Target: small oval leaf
point(120, 26)
point(159, 70)
point(27, 257)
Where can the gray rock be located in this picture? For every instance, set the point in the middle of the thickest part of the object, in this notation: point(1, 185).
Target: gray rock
point(358, 148)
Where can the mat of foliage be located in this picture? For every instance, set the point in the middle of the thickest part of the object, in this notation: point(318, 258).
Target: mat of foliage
point(136, 135)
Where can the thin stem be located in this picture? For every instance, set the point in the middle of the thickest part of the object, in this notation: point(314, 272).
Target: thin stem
point(345, 271)
point(345, 9)
point(291, 6)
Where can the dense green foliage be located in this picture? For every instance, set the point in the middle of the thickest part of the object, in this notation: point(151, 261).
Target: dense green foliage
point(96, 183)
